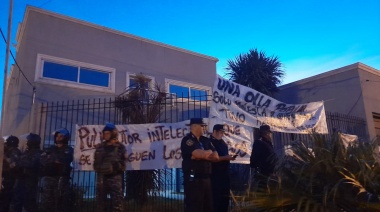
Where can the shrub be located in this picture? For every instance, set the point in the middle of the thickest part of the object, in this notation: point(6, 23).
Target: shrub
point(324, 177)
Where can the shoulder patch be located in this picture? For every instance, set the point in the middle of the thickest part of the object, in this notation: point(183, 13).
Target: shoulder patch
point(189, 142)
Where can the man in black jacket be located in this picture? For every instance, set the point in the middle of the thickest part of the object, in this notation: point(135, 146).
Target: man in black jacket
point(220, 176)
point(263, 158)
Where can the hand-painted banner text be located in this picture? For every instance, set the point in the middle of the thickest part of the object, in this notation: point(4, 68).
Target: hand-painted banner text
point(242, 105)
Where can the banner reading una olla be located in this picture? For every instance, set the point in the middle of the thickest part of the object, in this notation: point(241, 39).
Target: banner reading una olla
point(153, 146)
point(239, 104)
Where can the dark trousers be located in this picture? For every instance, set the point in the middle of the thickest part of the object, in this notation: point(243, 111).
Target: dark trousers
point(220, 191)
point(198, 195)
point(24, 196)
point(6, 192)
point(112, 185)
point(56, 194)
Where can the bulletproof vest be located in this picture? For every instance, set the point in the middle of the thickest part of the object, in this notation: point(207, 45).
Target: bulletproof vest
point(10, 160)
point(57, 161)
point(107, 159)
point(29, 163)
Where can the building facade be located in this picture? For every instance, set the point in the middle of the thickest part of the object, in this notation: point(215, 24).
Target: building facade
point(351, 90)
point(62, 58)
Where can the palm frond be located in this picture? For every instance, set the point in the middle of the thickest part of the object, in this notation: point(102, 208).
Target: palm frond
point(256, 70)
point(324, 176)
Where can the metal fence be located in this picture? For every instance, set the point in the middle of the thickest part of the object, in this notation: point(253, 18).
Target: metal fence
point(169, 195)
point(336, 122)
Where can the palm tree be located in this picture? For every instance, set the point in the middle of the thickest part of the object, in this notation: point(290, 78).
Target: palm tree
point(141, 104)
point(262, 73)
point(255, 70)
point(324, 177)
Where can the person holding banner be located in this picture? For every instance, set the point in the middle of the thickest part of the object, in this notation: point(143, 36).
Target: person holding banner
point(263, 158)
point(220, 176)
point(110, 164)
point(197, 154)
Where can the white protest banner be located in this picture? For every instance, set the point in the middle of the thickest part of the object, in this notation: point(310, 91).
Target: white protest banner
point(149, 146)
point(239, 104)
point(348, 139)
point(238, 139)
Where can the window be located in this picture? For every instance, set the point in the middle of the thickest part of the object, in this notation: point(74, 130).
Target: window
point(131, 81)
point(75, 74)
point(94, 77)
point(187, 90)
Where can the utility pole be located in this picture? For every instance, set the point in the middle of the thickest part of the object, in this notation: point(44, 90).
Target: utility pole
point(4, 88)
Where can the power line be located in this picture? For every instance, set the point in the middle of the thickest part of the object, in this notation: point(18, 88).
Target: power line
point(5, 40)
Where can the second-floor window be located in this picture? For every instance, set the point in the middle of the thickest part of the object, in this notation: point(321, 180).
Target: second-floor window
point(76, 74)
point(188, 90)
point(71, 73)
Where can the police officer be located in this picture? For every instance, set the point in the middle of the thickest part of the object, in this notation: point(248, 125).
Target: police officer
point(263, 158)
point(25, 190)
point(220, 178)
point(55, 168)
point(109, 164)
point(10, 171)
point(197, 154)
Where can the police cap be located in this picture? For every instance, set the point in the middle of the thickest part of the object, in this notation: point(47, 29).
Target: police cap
point(197, 121)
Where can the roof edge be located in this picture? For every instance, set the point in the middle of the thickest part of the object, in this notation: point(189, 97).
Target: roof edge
point(78, 21)
point(332, 72)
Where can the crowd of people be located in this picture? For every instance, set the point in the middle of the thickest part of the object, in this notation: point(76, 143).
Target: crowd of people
point(205, 166)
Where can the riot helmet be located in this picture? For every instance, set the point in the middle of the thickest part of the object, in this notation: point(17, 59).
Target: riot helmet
point(12, 141)
point(66, 136)
point(111, 128)
point(33, 140)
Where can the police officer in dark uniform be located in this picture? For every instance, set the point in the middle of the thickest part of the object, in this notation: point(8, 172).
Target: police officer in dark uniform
point(25, 190)
point(10, 171)
point(55, 168)
point(197, 154)
point(220, 177)
point(110, 163)
point(263, 158)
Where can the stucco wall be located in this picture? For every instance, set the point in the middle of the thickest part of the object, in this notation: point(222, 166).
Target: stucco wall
point(54, 35)
point(343, 90)
point(370, 83)
point(340, 92)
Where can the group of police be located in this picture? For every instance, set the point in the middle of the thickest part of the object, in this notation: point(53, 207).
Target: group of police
point(22, 171)
point(206, 165)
